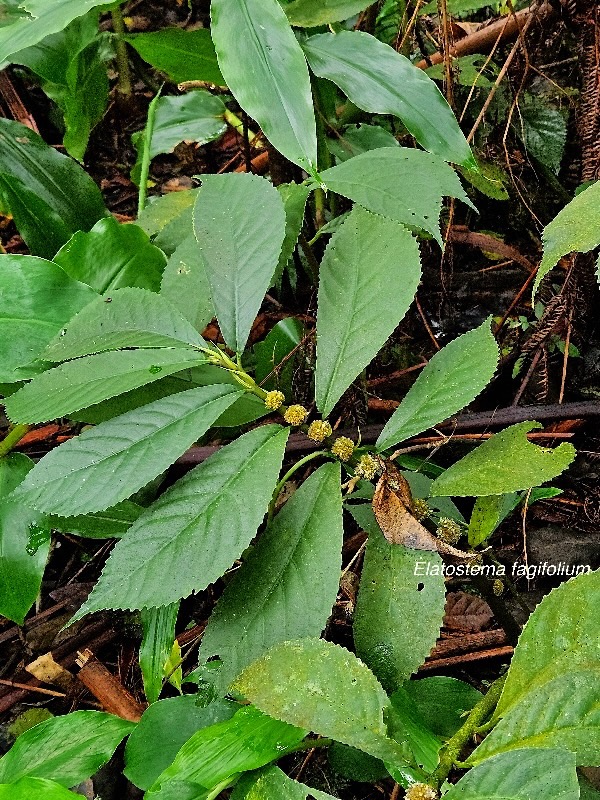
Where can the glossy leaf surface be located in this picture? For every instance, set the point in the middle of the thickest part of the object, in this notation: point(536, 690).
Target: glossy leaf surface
point(254, 38)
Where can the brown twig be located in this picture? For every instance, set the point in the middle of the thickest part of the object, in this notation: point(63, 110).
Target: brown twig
point(110, 693)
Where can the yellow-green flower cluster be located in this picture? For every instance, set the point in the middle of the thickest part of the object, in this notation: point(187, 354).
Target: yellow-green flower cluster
point(421, 791)
point(367, 467)
point(343, 447)
point(319, 430)
point(274, 400)
point(448, 530)
point(498, 587)
point(420, 508)
point(295, 415)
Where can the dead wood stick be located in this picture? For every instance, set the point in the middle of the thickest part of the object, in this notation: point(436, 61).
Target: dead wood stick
point(105, 687)
point(457, 661)
point(15, 104)
point(483, 241)
point(484, 38)
point(467, 643)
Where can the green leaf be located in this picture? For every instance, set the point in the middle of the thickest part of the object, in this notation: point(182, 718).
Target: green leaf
point(273, 784)
point(71, 67)
point(164, 727)
point(452, 379)
point(398, 614)
point(357, 139)
point(240, 256)
point(182, 55)
point(48, 194)
point(321, 687)
point(381, 81)
point(442, 702)
point(128, 318)
point(36, 299)
point(559, 636)
point(366, 262)
point(378, 180)
point(405, 723)
point(488, 512)
point(280, 343)
point(35, 789)
point(107, 464)
point(264, 67)
point(185, 284)
point(112, 256)
point(574, 229)
point(294, 196)
point(247, 741)
point(158, 625)
point(526, 774)
point(34, 20)
point(66, 749)
point(89, 380)
point(24, 543)
point(169, 209)
point(312, 13)
point(543, 130)
point(193, 117)
point(110, 524)
point(355, 765)
point(295, 565)
point(505, 463)
point(196, 529)
point(562, 713)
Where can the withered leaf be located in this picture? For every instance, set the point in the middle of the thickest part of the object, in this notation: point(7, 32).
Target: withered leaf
point(393, 508)
point(467, 612)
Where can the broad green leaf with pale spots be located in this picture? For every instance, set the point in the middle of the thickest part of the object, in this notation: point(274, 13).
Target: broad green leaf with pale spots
point(273, 784)
point(185, 284)
point(505, 463)
point(128, 318)
point(254, 38)
point(196, 529)
point(488, 512)
point(36, 299)
point(452, 379)
point(564, 712)
point(559, 636)
point(295, 565)
point(574, 229)
point(92, 379)
point(166, 726)
point(399, 612)
point(406, 724)
point(381, 81)
point(526, 774)
point(183, 55)
point(33, 20)
point(66, 749)
point(105, 465)
point(239, 222)
point(368, 279)
point(378, 180)
point(443, 702)
point(112, 256)
point(247, 741)
point(322, 687)
point(48, 194)
point(35, 789)
point(311, 13)
point(24, 543)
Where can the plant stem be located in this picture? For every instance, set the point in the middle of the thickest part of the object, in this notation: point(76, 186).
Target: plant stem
point(124, 81)
point(237, 124)
point(450, 753)
point(310, 744)
point(12, 438)
point(147, 154)
point(288, 475)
